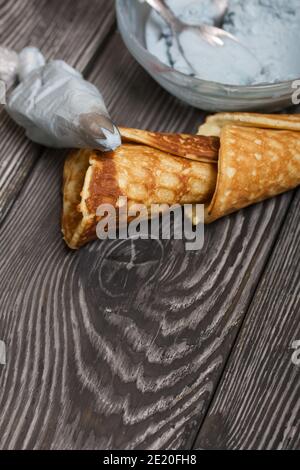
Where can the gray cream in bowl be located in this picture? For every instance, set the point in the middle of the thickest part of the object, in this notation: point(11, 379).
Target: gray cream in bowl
point(270, 30)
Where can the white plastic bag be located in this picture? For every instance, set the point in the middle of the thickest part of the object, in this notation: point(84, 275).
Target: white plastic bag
point(57, 107)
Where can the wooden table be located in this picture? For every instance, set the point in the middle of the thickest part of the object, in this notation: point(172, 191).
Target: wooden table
point(129, 345)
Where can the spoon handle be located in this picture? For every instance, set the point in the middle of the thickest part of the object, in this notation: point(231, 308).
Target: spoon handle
point(175, 24)
point(166, 13)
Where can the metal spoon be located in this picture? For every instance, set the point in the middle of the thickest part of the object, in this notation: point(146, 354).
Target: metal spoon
point(211, 34)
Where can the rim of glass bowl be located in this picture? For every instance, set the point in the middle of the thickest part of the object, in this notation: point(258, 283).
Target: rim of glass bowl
point(186, 80)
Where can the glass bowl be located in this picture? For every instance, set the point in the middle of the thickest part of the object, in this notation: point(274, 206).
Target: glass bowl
point(210, 96)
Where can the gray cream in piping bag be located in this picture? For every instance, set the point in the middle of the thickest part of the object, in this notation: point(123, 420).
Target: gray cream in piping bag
point(55, 104)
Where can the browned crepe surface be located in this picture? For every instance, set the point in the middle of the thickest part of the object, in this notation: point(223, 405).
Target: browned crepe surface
point(142, 174)
point(193, 147)
point(214, 124)
point(254, 165)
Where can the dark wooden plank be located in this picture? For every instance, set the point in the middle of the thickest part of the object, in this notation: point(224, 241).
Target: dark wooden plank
point(71, 30)
point(121, 344)
point(257, 405)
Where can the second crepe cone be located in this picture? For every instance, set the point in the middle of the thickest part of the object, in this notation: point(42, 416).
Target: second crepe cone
point(259, 158)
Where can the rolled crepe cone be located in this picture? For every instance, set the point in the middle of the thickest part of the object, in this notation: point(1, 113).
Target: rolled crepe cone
point(254, 164)
point(193, 147)
point(142, 174)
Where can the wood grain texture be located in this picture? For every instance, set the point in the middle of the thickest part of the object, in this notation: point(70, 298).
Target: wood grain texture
point(121, 344)
point(257, 405)
point(68, 30)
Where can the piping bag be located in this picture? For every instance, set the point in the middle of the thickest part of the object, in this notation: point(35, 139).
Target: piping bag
point(55, 104)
